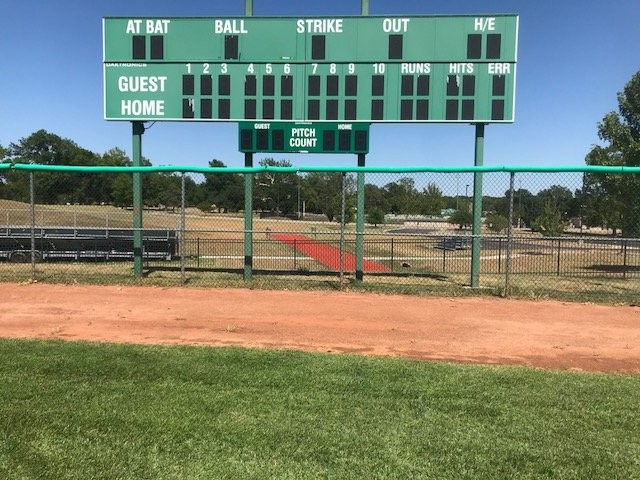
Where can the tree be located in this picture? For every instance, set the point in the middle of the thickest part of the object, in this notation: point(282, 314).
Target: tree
point(163, 189)
point(46, 148)
point(224, 190)
point(322, 192)
point(374, 198)
point(560, 199)
point(375, 217)
point(621, 134)
point(550, 222)
point(276, 192)
point(402, 196)
point(525, 207)
point(349, 208)
point(431, 201)
point(602, 209)
point(496, 222)
point(122, 184)
point(462, 217)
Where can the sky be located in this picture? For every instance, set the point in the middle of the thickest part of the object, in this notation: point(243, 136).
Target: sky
point(574, 56)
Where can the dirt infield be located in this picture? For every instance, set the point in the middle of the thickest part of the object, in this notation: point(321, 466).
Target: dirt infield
point(544, 334)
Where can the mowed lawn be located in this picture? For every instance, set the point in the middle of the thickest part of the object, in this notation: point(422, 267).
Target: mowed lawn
point(83, 410)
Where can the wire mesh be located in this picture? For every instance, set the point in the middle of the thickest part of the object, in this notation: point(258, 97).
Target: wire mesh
point(417, 233)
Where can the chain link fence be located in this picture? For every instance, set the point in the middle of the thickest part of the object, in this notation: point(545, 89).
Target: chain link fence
point(563, 234)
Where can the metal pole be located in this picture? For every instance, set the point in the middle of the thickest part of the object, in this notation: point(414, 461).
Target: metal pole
point(32, 202)
point(248, 8)
point(138, 130)
point(299, 215)
point(364, 10)
point(248, 218)
point(507, 277)
point(360, 221)
point(183, 223)
point(342, 212)
point(477, 207)
point(624, 259)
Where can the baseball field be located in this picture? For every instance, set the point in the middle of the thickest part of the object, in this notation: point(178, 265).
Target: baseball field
point(149, 382)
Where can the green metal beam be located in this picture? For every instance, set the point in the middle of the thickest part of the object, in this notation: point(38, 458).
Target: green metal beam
point(248, 218)
point(360, 221)
point(476, 230)
point(138, 130)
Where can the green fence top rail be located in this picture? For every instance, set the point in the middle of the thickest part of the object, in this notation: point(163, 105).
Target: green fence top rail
point(35, 167)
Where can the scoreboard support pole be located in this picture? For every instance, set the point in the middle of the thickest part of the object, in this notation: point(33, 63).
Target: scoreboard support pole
point(360, 221)
point(477, 207)
point(248, 194)
point(248, 218)
point(137, 131)
point(364, 8)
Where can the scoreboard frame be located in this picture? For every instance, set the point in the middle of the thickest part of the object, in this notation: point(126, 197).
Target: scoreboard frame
point(303, 137)
point(373, 69)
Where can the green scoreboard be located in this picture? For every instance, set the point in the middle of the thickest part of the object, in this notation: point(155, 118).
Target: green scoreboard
point(303, 137)
point(299, 69)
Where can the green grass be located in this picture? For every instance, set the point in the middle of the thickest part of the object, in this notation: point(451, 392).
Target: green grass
point(81, 410)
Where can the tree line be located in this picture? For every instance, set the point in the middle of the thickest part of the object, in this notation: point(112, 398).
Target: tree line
point(609, 201)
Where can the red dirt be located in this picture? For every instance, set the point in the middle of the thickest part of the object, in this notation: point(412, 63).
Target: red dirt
point(326, 254)
point(546, 334)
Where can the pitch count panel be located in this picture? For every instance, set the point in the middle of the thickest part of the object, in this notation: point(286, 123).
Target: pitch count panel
point(354, 69)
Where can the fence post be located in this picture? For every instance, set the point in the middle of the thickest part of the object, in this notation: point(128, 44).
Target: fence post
point(392, 262)
point(624, 258)
point(507, 276)
point(295, 253)
point(138, 131)
point(477, 207)
point(183, 222)
point(444, 254)
point(360, 221)
point(32, 204)
point(558, 263)
point(342, 222)
point(248, 218)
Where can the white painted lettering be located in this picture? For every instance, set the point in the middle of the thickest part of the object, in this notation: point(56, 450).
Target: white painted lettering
point(139, 108)
point(413, 68)
point(345, 126)
point(457, 68)
point(484, 24)
point(133, 26)
point(142, 84)
point(229, 26)
point(395, 25)
point(157, 26)
point(319, 25)
point(303, 142)
point(261, 126)
point(303, 132)
point(499, 68)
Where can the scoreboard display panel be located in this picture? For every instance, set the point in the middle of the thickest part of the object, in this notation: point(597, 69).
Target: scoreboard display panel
point(303, 137)
point(330, 69)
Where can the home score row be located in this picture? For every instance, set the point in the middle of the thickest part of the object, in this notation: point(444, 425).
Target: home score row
point(355, 69)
